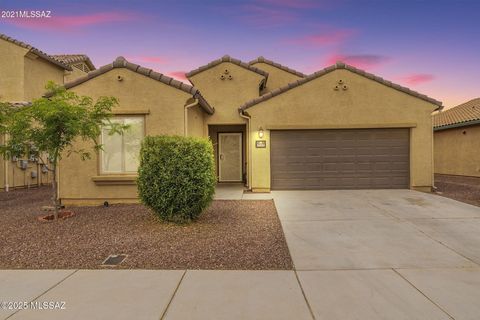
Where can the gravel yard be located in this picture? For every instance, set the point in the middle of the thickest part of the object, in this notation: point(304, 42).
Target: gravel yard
point(229, 235)
point(465, 189)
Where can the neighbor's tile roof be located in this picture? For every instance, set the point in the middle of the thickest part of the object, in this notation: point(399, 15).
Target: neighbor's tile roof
point(36, 51)
point(121, 62)
point(338, 65)
point(70, 59)
point(460, 115)
point(227, 58)
point(277, 65)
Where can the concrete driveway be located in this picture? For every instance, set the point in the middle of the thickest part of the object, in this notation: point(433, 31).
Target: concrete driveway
point(384, 254)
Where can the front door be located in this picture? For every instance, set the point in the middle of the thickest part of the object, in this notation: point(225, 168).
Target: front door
point(230, 157)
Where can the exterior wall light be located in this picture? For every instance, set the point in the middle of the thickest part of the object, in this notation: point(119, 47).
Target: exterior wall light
point(260, 132)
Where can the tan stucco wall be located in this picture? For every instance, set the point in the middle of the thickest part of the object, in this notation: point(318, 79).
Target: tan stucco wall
point(74, 74)
point(365, 104)
point(276, 77)
point(11, 70)
point(456, 152)
point(226, 96)
point(195, 122)
point(37, 72)
point(136, 94)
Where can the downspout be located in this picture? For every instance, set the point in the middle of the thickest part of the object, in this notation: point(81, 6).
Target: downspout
point(249, 149)
point(5, 167)
point(188, 106)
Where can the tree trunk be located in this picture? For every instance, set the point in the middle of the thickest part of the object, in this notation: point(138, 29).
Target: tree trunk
point(54, 192)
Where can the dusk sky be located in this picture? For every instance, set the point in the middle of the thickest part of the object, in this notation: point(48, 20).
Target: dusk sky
point(429, 46)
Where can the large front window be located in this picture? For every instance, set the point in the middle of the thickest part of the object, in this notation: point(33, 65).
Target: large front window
point(121, 152)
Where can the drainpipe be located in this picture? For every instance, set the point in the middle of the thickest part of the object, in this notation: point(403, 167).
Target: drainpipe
point(188, 106)
point(249, 148)
point(5, 168)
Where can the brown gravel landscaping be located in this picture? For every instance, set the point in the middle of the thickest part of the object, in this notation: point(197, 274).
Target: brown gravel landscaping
point(229, 235)
point(465, 189)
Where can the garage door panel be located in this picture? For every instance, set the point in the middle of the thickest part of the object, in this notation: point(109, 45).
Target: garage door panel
point(340, 159)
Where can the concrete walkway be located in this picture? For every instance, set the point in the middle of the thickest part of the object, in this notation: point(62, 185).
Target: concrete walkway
point(383, 254)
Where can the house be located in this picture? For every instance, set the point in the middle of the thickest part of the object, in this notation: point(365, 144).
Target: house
point(152, 104)
point(272, 127)
point(24, 72)
point(457, 140)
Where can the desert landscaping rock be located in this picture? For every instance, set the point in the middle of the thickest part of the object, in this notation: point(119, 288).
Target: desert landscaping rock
point(229, 235)
point(465, 189)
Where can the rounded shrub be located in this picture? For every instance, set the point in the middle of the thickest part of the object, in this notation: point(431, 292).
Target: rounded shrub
point(176, 176)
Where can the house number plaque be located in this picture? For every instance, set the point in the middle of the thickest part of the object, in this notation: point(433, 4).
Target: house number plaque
point(260, 143)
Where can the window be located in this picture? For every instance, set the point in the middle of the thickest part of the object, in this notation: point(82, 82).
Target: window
point(121, 152)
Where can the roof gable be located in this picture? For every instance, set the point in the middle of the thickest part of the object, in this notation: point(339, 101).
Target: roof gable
point(227, 58)
point(71, 59)
point(36, 51)
point(462, 115)
point(121, 62)
point(277, 65)
point(338, 65)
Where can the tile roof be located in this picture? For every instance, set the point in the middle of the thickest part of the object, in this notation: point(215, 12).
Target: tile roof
point(338, 65)
point(121, 62)
point(277, 65)
point(36, 51)
point(70, 59)
point(459, 116)
point(227, 58)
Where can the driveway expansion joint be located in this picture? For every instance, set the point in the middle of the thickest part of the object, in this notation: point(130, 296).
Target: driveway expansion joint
point(423, 294)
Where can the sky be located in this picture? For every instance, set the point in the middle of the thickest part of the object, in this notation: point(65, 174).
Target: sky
point(429, 46)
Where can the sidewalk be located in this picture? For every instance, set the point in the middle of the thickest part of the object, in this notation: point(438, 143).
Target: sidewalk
point(149, 294)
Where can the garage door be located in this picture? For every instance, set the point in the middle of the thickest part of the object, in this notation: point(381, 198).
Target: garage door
point(340, 159)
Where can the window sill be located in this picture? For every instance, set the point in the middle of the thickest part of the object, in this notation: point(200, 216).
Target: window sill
point(115, 180)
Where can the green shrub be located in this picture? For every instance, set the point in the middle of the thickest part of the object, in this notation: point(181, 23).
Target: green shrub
point(176, 176)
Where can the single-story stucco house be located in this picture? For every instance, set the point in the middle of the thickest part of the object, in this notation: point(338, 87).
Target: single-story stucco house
point(273, 128)
point(457, 140)
point(24, 72)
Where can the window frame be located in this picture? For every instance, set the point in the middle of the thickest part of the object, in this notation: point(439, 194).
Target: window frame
point(102, 151)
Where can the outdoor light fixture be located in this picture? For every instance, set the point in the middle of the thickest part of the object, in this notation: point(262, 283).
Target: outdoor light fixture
point(260, 132)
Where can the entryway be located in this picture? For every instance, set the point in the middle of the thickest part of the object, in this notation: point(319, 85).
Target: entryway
point(229, 147)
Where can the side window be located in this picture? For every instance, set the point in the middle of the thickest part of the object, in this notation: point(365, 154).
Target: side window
point(121, 152)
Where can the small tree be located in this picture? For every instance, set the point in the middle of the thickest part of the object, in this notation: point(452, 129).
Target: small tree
point(50, 125)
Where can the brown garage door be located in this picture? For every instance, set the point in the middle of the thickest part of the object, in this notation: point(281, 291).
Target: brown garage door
point(340, 159)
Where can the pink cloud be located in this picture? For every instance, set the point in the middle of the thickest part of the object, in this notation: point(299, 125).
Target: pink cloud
point(417, 78)
point(363, 61)
point(325, 38)
point(68, 23)
point(179, 75)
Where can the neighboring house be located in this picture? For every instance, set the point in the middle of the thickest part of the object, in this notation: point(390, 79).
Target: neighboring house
point(339, 128)
point(79, 63)
point(24, 72)
point(457, 140)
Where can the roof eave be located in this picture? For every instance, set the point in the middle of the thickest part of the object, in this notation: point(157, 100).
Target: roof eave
point(340, 65)
point(278, 66)
point(457, 125)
